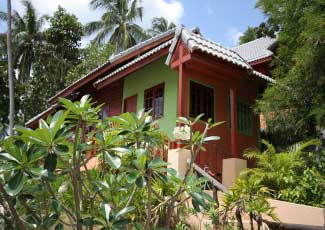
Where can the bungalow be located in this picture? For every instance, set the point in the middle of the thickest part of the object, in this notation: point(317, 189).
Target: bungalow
point(181, 73)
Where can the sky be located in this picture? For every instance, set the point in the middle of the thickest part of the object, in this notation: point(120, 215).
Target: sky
point(222, 21)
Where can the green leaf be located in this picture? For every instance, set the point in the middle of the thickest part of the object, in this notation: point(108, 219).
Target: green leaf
point(157, 163)
point(211, 138)
point(198, 118)
point(84, 100)
point(131, 178)
point(107, 210)
point(59, 226)
point(199, 199)
point(36, 171)
point(123, 212)
point(113, 161)
point(50, 220)
point(140, 182)
point(196, 205)
point(8, 157)
point(56, 207)
point(62, 148)
point(87, 221)
point(141, 158)
point(182, 120)
point(121, 150)
point(50, 162)
point(15, 183)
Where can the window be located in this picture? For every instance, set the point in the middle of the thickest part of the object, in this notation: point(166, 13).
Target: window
point(201, 101)
point(154, 100)
point(244, 118)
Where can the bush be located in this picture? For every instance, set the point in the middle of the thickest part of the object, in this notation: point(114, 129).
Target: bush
point(47, 182)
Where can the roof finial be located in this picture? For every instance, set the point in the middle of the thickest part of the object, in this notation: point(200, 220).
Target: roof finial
point(196, 30)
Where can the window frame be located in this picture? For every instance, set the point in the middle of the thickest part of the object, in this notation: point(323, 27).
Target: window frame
point(153, 90)
point(211, 89)
point(248, 131)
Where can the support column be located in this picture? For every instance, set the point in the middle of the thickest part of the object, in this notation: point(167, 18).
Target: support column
point(233, 138)
point(180, 84)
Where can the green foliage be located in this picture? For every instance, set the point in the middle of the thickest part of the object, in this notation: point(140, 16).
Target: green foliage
point(295, 104)
point(45, 170)
point(160, 25)
point(247, 196)
point(54, 58)
point(41, 57)
point(117, 24)
point(293, 175)
point(267, 29)
point(91, 57)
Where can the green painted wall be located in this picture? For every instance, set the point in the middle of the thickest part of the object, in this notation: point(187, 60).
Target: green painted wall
point(149, 76)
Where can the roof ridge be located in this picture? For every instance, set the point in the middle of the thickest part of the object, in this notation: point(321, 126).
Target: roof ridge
point(222, 46)
point(251, 41)
point(116, 56)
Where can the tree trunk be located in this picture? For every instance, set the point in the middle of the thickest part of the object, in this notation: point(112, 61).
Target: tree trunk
point(240, 225)
point(10, 71)
point(251, 220)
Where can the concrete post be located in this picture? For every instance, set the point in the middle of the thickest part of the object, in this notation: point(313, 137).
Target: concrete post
point(231, 169)
point(178, 159)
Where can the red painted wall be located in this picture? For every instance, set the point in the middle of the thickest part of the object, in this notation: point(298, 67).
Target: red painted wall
point(111, 96)
point(216, 151)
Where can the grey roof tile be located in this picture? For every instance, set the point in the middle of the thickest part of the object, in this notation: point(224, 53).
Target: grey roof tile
point(141, 57)
point(256, 49)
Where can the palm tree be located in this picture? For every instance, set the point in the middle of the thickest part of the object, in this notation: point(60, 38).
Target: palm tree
point(160, 25)
point(117, 23)
point(10, 71)
point(26, 33)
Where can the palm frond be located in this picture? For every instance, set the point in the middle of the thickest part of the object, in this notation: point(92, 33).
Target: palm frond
point(3, 16)
point(94, 26)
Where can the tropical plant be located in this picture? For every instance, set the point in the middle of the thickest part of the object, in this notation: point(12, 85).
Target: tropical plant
point(292, 175)
point(26, 34)
point(59, 53)
point(249, 197)
point(46, 172)
point(294, 106)
point(160, 25)
point(118, 23)
point(92, 56)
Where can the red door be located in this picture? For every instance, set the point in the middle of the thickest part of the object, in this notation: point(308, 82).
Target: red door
point(130, 104)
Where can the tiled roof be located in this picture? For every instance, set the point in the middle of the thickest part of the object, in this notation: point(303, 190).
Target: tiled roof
point(143, 56)
point(197, 42)
point(256, 49)
point(117, 56)
point(40, 115)
point(263, 76)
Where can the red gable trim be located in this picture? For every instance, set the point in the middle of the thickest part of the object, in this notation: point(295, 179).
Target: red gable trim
point(106, 67)
point(262, 60)
point(132, 69)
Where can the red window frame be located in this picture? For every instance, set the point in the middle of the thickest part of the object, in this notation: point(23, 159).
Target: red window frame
point(201, 100)
point(154, 99)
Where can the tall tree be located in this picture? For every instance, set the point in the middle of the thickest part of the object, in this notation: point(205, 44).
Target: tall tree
point(268, 29)
point(10, 71)
point(27, 33)
point(92, 56)
point(118, 23)
point(160, 25)
point(295, 104)
point(54, 58)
